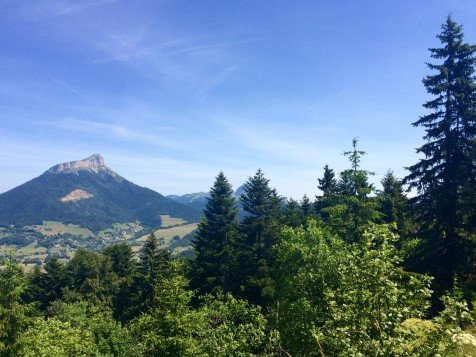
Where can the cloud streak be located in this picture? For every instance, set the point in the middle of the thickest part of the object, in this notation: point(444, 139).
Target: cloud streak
point(58, 8)
point(114, 130)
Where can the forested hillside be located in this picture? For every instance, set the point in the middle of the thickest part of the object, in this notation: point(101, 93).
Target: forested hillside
point(358, 270)
point(107, 199)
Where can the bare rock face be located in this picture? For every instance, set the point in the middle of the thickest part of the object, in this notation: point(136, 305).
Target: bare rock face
point(94, 163)
point(76, 195)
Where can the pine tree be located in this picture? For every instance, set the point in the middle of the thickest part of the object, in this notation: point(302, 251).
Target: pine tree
point(445, 178)
point(260, 228)
point(214, 239)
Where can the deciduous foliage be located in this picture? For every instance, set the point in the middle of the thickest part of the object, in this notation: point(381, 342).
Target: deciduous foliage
point(77, 329)
point(337, 299)
point(221, 326)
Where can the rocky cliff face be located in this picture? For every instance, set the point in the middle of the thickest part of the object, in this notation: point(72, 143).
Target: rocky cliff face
point(76, 195)
point(94, 163)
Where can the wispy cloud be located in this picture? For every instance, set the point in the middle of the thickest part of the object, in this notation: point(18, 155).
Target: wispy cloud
point(192, 64)
point(218, 79)
point(115, 130)
point(63, 84)
point(57, 8)
point(208, 47)
point(123, 48)
point(283, 142)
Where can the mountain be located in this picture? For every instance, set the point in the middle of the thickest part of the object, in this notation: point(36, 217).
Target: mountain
point(87, 193)
point(198, 200)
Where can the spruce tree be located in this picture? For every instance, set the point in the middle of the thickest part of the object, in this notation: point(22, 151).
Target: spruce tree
point(260, 228)
point(328, 183)
point(353, 208)
point(121, 257)
point(153, 261)
point(154, 264)
point(444, 178)
point(214, 239)
point(329, 188)
point(393, 204)
point(53, 281)
point(293, 214)
point(306, 207)
point(13, 312)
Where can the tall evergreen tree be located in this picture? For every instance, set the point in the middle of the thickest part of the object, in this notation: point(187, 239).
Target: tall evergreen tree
point(153, 261)
point(126, 275)
point(13, 312)
point(260, 228)
point(154, 264)
point(293, 215)
point(445, 178)
point(329, 187)
point(122, 259)
point(214, 239)
point(306, 207)
point(393, 204)
point(352, 208)
point(328, 183)
point(51, 283)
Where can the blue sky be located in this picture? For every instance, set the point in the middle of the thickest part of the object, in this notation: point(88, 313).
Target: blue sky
point(171, 92)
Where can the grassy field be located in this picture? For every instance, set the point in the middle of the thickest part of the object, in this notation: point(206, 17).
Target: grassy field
point(168, 221)
point(172, 227)
point(51, 228)
point(127, 230)
point(31, 249)
point(166, 235)
point(27, 251)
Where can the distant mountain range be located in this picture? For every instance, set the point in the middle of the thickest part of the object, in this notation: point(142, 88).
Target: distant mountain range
point(88, 193)
point(198, 200)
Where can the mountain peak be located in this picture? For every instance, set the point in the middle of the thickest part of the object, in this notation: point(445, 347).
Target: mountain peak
point(94, 163)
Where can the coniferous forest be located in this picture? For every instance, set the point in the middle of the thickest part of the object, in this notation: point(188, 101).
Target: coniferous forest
point(358, 270)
